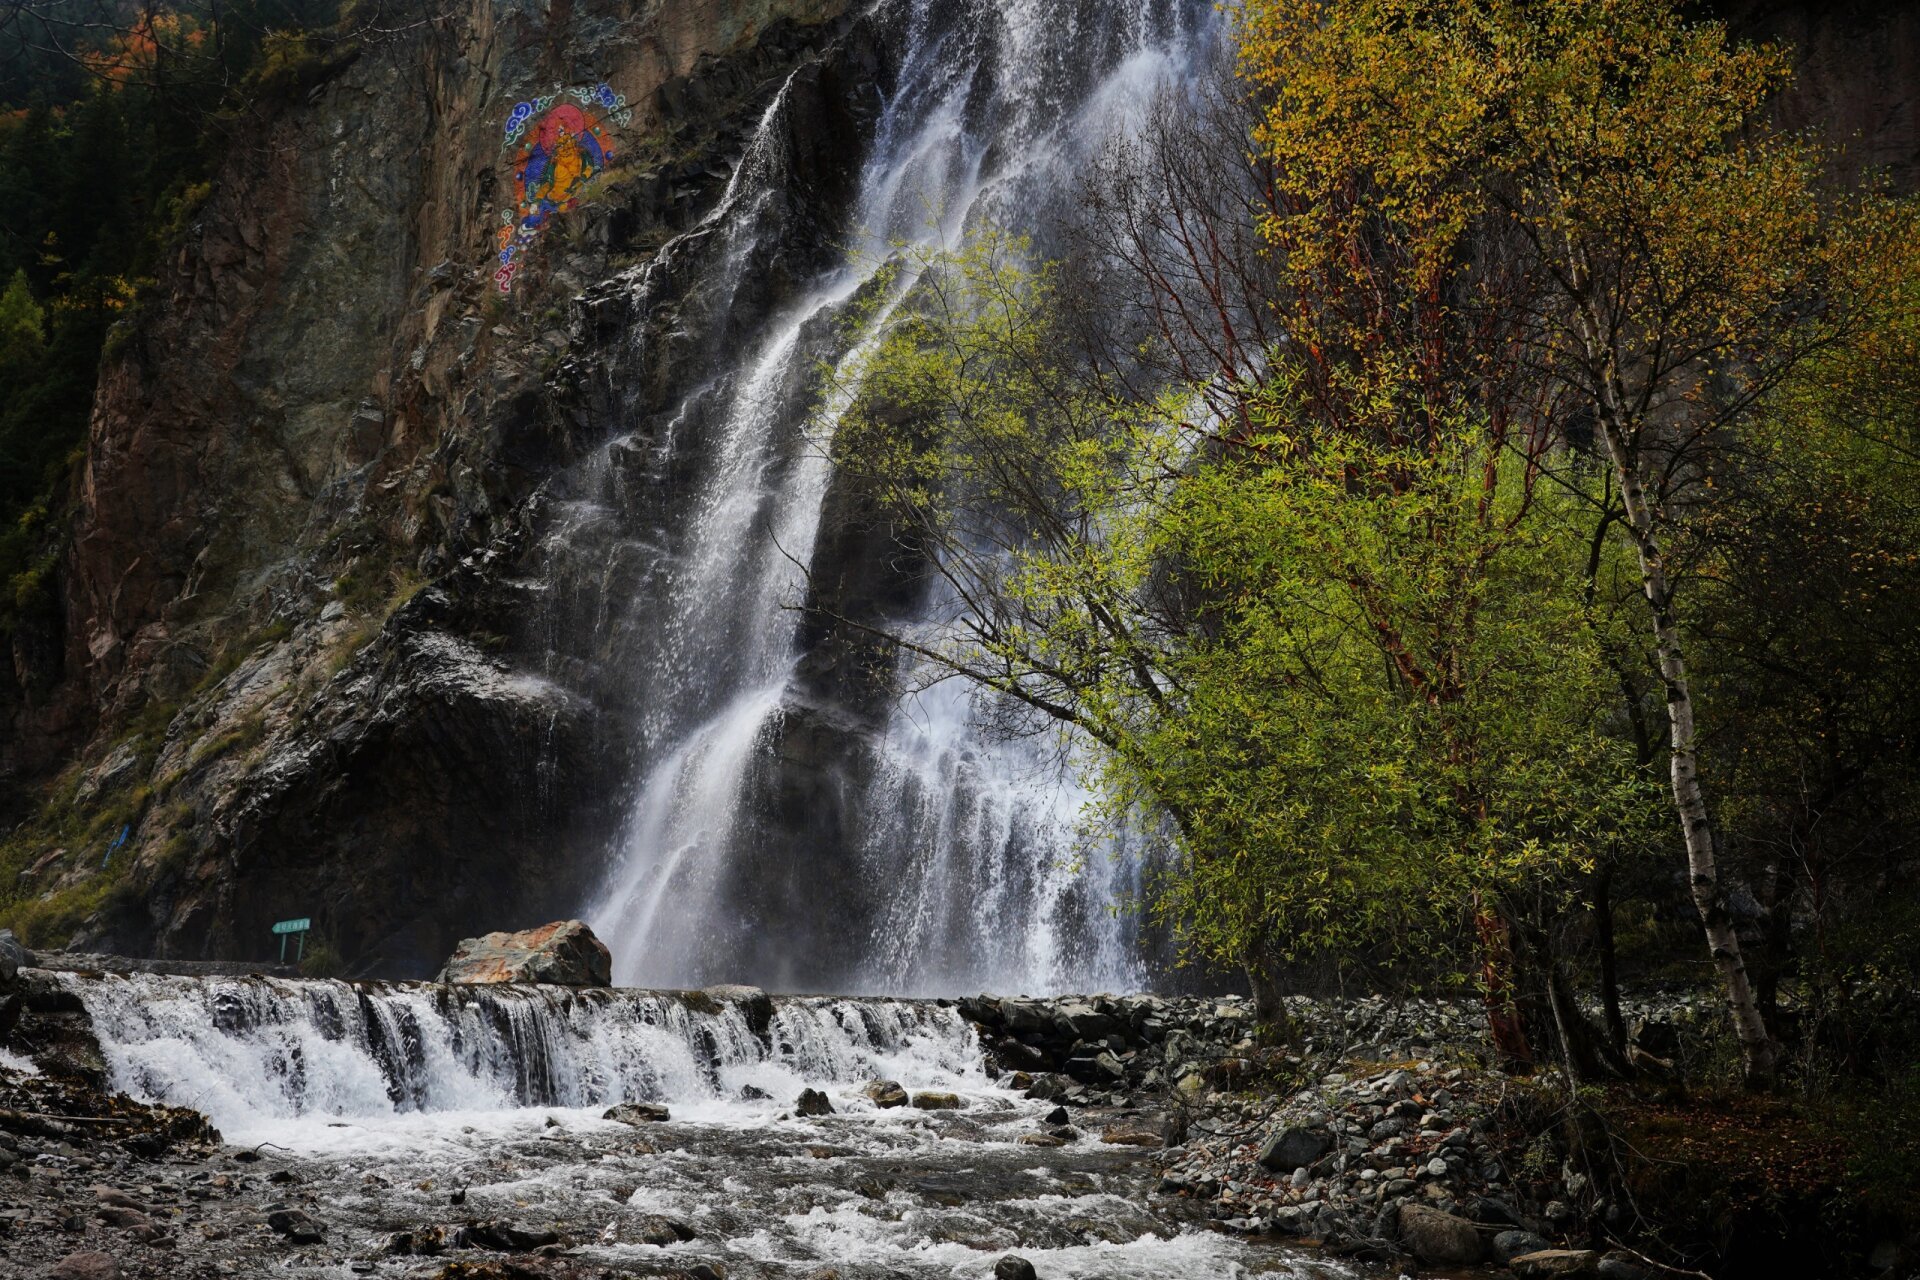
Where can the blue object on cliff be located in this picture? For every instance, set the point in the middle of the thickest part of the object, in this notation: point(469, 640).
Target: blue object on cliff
point(124, 833)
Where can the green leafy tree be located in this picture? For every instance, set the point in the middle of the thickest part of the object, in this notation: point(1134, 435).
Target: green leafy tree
point(1608, 158)
point(1347, 663)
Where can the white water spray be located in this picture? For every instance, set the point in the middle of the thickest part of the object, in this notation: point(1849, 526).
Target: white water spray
point(962, 859)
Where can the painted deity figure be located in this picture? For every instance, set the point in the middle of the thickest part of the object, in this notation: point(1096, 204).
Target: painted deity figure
point(559, 152)
point(563, 151)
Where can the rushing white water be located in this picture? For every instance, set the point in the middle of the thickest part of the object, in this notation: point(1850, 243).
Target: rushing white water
point(251, 1052)
point(372, 1102)
point(958, 857)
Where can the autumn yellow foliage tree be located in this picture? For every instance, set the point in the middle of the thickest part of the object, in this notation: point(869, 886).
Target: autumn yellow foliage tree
point(1597, 179)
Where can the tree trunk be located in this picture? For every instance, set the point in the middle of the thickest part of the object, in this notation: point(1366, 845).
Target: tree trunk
point(1609, 957)
point(1506, 1025)
point(1758, 1051)
point(1269, 993)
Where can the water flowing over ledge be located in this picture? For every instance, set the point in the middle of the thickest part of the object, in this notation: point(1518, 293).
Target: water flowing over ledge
point(763, 804)
point(248, 1051)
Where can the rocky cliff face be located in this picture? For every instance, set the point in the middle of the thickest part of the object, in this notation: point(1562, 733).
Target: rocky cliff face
point(294, 662)
point(324, 651)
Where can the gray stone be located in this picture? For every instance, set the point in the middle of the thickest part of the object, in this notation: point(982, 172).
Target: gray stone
point(636, 1113)
point(812, 1102)
point(1438, 1238)
point(85, 1266)
point(298, 1227)
point(1077, 1021)
point(564, 952)
point(1013, 1267)
point(1293, 1147)
point(932, 1101)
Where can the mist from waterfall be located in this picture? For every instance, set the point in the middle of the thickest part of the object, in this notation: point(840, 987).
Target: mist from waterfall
point(959, 854)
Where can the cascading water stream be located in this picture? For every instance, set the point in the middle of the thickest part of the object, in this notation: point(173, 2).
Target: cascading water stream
point(960, 856)
point(251, 1052)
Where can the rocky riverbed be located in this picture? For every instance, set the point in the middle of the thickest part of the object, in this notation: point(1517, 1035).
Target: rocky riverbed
point(439, 1131)
point(950, 1184)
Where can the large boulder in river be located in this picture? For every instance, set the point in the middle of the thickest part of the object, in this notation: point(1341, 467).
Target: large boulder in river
point(1437, 1238)
point(565, 953)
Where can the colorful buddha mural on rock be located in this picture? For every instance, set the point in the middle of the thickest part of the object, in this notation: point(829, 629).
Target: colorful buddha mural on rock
point(558, 147)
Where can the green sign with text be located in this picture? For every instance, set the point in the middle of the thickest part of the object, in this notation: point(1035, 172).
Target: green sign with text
point(300, 926)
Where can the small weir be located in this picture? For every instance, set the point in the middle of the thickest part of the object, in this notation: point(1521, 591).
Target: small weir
point(250, 1049)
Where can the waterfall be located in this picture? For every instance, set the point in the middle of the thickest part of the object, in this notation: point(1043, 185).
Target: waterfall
point(773, 836)
point(253, 1051)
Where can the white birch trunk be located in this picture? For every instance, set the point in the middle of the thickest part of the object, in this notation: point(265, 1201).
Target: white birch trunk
point(1757, 1048)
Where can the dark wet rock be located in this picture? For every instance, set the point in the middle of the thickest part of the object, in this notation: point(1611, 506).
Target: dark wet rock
point(491, 1269)
point(1436, 1237)
point(296, 1225)
point(1289, 1149)
point(1075, 1020)
point(1509, 1245)
point(637, 1113)
point(565, 953)
point(502, 1237)
point(85, 1266)
point(1548, 1264)
point(121, 1218)
point(13, 958)
point(1042, 1140)
point(421, 1241)
point(1624, 1266)
point(662, 1231)
point(1048, 1087)
point(1058, 1116)
point(754, 1004)
point(886, 1093)
point(105, 1195)
point(753, 1093)
point(1013, 1267)
point(1133, 1133)
point(812, 1102)
point(932, 1100)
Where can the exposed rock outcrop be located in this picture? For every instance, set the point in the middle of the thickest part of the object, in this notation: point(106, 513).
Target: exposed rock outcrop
point(299, 623)
point(564, 953)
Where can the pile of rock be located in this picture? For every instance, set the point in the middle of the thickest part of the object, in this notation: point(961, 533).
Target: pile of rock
point(1400, 1161)
point(1329, 1160)
point(1103, 1050)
